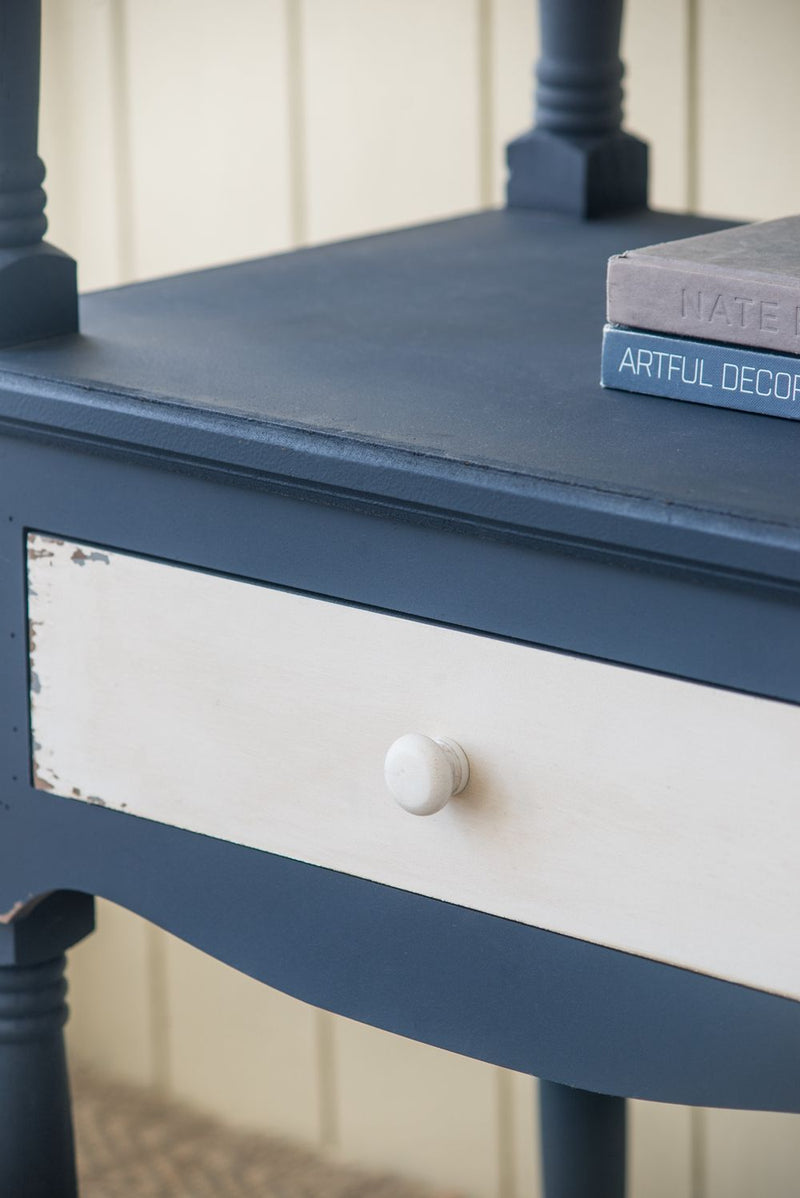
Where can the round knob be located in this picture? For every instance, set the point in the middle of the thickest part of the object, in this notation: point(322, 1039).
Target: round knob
point(423, 773)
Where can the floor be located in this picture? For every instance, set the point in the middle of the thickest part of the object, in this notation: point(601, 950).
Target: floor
point(131, 1143)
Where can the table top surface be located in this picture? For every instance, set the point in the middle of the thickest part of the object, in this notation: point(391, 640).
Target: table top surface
point(465, 352)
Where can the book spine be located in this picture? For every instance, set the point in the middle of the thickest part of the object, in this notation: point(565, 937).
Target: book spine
point(701, 372)
point(666, 296)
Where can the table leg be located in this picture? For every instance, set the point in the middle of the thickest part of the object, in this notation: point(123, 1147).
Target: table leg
point(577, 158)
point(36, 1148)
point(38, 283)
point(583, 1143)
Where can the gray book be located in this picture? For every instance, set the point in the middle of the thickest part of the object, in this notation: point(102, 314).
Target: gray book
point(740, 285)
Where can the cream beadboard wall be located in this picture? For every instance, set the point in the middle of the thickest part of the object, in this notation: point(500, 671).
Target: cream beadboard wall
point(182, 133)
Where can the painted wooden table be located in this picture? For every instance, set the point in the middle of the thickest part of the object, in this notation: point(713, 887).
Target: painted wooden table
point(259, 523)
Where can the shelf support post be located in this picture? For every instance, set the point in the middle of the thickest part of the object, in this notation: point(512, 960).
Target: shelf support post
point(38, 283)
point(37, 1157)
point(577, 159)
point(583, 1142)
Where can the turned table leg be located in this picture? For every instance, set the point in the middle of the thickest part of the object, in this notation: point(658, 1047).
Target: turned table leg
point(583, 1143)
point(577, 158)
point(38, 283)
point(37, 1157)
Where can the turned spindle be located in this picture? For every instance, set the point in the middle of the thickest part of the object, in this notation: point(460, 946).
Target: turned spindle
point(38, 283)
point(37, 1159)
point(577, 159)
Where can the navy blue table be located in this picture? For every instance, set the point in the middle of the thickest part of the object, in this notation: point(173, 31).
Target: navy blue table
point(403, 436)
point(369, 422)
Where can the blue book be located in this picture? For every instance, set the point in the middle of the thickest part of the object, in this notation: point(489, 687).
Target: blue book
point(709, 372)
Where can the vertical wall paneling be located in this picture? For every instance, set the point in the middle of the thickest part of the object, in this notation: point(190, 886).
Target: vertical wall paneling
point(748, 102)
point(524, 1132)
point(485, 125)
point(506, 1162)
point(209, 131)
point(238, 1049)
point(749, 1154)
point(693, 84)
point(660, 1151)
point(111, 1011)
point(325, 1034)
point(392, 108)
point(515, 48)
point(699, 1170)
point(157, 948)
point(78, 135)
point(416, 1110)
point(296, 117)
point(655, 50)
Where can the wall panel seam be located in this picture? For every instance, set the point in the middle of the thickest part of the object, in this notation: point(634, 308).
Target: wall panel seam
point(504, 1099)
point(698, 1143)
point(122, 164)
point(327, 1088)
point(296, 114)
point(159, 1009)
point(692, 128)
point(485, 54)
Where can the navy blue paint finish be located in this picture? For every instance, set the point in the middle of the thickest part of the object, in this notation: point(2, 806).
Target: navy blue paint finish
point(37, 1157)
point(577, 159)
point(583, 1143)
point(38, 283)
point(451, 369)
point(54, 924)
point(527, 999)
point(462, 980)
point(733, 632)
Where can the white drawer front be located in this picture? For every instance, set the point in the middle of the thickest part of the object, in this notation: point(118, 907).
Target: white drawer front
point(652, 815)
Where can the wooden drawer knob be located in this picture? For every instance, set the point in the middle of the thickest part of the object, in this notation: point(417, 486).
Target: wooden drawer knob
point(423, 773)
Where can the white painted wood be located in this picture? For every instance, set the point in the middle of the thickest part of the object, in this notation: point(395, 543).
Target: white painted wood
point(208, 120)
point(416, 1110)
point(423, 773)
point(237, 1048)
point(749, 93)
point(605, 803)
point(391, 103)
point(79, 135)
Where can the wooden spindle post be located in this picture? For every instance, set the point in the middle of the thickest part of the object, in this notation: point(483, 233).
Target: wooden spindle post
point(583, 1143)
point(37, 1159)
point(38, 283)
point(577, 159)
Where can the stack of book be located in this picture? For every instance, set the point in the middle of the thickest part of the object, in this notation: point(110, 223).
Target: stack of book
point(713, 319)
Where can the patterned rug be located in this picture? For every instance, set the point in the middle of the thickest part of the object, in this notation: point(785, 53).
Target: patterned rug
point(132, 1144)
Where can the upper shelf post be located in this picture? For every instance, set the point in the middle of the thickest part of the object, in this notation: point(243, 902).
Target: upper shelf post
point(38, 283)
point(577, 159)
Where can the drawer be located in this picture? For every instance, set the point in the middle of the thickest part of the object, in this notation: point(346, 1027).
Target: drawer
point(629, 809)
